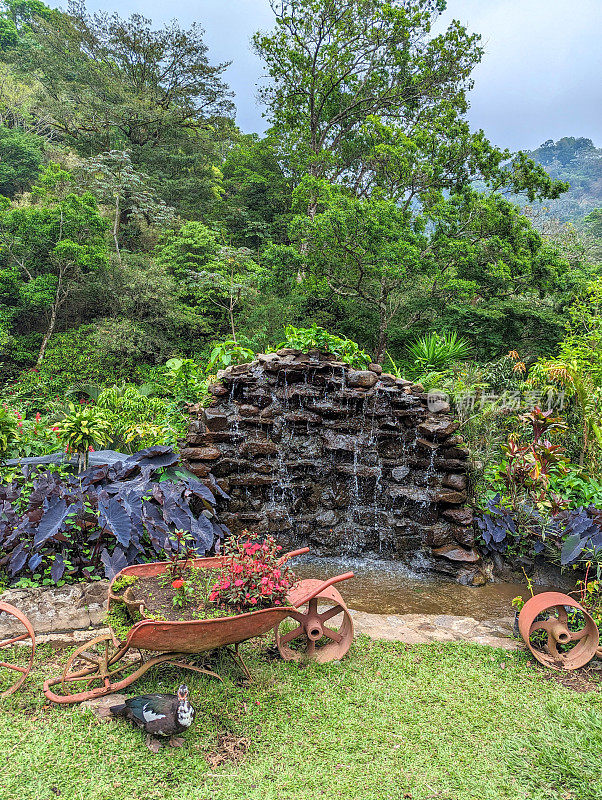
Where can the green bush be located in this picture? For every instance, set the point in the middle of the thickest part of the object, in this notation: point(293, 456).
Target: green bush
point(435, 352)
point(139, 421)
point(318, 338)
point(8, 430)
point(72, 357)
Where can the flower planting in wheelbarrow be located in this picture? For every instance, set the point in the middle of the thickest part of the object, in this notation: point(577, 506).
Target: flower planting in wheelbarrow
point(173, 611)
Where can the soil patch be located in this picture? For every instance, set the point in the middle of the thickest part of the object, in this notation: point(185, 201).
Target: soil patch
point(587, 679)
point(158, 597)
point(230, 749)
point(161, 601)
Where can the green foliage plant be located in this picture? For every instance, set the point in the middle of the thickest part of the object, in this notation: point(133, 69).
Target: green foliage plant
point(83, 428)
point(317, 338)
point(227, 353)
point(436, 351)
point(8, 430)
point(180, 379)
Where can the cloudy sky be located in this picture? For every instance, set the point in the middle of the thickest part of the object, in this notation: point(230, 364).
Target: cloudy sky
point(541, 76)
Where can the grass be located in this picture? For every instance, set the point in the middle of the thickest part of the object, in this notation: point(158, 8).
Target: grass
point(429, 722)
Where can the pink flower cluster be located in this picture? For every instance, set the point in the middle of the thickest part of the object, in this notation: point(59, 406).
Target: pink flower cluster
point(252, 576)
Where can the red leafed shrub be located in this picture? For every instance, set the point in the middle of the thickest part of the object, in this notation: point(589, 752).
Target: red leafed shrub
point(252, 577)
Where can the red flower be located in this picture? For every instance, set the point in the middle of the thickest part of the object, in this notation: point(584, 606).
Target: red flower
point(178, 583)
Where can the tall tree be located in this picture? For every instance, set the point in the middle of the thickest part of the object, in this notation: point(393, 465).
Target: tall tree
point(107, 83)
point(364, 93)
point(48, 247)
point(335, 63)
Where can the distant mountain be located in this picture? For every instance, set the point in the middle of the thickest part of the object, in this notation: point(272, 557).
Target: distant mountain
point(579, 162)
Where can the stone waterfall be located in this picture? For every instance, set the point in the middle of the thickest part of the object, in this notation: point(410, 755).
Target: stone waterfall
point(347, 461)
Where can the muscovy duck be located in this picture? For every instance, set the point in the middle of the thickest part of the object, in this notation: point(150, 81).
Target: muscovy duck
point(159, 715)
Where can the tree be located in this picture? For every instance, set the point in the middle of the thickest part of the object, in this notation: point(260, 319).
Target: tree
point(334, 64)
point(49, 245)
point(21, 156)
point(187, 249)
point(468, 255)
point(362, 250)
point(113, 179)
point(229, 280)
point(255, 204)
point(106, 83)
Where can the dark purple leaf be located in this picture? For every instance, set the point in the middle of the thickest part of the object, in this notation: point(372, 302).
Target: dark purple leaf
point(571, 548)
point(58, 568)
point(52, 522)
point(113, 516)
point(18, 560)
point(34, 561)
point(113, 563)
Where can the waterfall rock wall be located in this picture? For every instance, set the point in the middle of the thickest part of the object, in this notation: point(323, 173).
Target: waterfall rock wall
point(346, 461)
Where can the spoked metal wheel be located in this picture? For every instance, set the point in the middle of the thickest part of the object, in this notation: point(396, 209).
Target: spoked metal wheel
point(22, 642)
point(558, 631)
point(93, 670)
point(323, 631)
point(100, 667)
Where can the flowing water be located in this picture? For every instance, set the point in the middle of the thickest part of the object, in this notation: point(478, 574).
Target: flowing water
point(390, 587)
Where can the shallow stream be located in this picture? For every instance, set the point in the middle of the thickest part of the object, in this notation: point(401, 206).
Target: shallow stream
point(390, 587)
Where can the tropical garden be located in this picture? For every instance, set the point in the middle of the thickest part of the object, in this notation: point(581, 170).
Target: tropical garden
point(146, 243)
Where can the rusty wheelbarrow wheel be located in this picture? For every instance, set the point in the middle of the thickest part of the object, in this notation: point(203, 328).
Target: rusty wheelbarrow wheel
point(555, 640)
point(93, 670)
point(323, 631)
point(19, 646)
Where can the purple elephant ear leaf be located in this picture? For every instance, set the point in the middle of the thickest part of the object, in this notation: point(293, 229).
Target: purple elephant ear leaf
point(18, 560)
point(35, 561)
point(52, 522)
point(158, 457)
point(58, 568)
point(113, 516)
point(571, 548)
point(113, 562)
point(199, 490)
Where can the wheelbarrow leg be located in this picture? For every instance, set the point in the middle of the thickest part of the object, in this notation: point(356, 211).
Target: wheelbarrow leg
point(238, 660)
point(194, 668)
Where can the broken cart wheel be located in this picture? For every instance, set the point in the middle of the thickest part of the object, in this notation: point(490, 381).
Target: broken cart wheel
point(324, 630)
point(558, 638)
point(23, 635)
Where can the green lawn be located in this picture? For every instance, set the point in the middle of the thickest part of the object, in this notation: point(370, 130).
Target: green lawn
point(432, 722)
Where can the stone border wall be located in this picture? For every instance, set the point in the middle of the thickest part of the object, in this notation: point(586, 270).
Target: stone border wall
point(346, 461)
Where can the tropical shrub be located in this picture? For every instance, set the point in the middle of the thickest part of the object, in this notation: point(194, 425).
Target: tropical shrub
point(37, 436)
point(82, 429)
point(527, 517)
point(229, 352)
point(8, 430)
point(137, 420)
point(317, 338)
point(435, 352)
point(58, 526)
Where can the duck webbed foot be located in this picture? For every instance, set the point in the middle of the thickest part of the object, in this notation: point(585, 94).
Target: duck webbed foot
point(153, 744)
point(176, 741)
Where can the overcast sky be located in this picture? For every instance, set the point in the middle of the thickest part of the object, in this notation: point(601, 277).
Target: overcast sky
point(541, 76)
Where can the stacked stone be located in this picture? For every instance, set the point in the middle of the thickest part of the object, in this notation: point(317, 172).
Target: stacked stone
point(346, 461)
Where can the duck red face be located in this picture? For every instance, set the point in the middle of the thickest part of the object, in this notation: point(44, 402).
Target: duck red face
point(185, 710)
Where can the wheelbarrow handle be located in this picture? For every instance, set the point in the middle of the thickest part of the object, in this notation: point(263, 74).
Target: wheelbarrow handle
point(292, 554)
point(337, 578)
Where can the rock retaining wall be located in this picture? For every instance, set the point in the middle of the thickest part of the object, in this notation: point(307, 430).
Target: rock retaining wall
point(346, 461)
point(58, 609)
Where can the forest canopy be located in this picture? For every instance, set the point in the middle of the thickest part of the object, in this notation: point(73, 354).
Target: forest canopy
point(137, 217)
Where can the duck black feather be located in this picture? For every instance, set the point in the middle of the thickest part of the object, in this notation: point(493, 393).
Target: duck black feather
point(158, 714)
